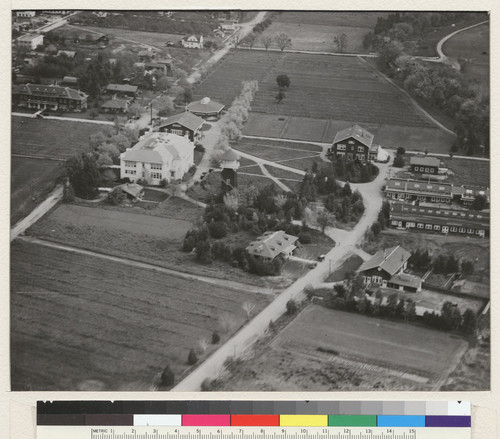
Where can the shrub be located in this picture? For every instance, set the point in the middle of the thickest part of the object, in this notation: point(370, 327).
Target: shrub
point(467, 266)
point(68, 194)
point(116, 196)
point(400, 150)
point(291, 307)
point(192, 357)
point(305, 238)
point(203, 252)
point(167, 377)
point(142, 181)
point(217, 229)
point(215, 337)
point(399, 161)
point(163, 182)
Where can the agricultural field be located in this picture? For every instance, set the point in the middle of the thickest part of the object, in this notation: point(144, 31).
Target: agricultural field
point(324, 349)
point(134, 235)
point(473, 45)
point(326, 94)
point(314, 31)
point(32, 179)
point(73, 319)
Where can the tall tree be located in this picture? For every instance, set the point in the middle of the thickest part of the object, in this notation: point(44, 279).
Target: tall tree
point(283, 41)
point(83, 175)
point(341, 42)
point(266, 41)
point(283, 81)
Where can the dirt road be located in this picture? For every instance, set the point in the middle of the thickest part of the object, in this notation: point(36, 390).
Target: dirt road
point(244, 339)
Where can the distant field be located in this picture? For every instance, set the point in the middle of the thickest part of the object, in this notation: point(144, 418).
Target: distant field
point(399, 346)
point(80, 324)
point(41, 138)
point(314, 30)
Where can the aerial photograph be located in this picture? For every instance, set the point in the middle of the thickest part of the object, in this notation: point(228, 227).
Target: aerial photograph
point(242, 200)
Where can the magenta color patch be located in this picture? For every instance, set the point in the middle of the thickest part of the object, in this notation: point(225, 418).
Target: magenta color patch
point(206, 420)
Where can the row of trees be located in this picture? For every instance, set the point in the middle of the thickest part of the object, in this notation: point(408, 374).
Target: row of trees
point(440, 264)
point(232, 122)
point(281, 40)
point(441, 86)
point(353, 298)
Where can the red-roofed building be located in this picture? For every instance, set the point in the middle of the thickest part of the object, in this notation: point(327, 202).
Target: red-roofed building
point(48, 97)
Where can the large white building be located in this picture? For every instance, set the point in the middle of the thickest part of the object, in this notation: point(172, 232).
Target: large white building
point(156, 157)
point(192, 42)
point(30, 42)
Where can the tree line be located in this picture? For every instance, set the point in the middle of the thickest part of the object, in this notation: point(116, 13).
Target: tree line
point(441, 86)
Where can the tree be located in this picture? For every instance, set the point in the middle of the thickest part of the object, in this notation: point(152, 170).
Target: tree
point(325, 220)
point(203, 252)
point(116, 196)
point(283, 41)
point(236, 40)
point(215, 337)
point(68, 193)
point(469, 322)
point(479, 202)
point(467, 267)
point(83, 175)
point(248, 307)
point(192, 357)
point(400, 150)
point(266, 41)
point(291, 307)
point(410, 310)
point(283, 81)
point(280, 96)
point(399, 161)
point(164, 105)
point(251, 39)
point(167, 377)
point(340, 41)
point(135, 110)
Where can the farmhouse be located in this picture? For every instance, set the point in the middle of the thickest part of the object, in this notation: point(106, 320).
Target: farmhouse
point(122, 89)
point(424, 165)
point(49, 97)
point(272, 244)
point(183, 124)
point(158, 156)
point(164, 66)
point(116, 105)
point(30, 42)
point(228, 24)
point(442, 220)
point(386, 269)
point(399, 189)
point(205, 108)
point(192, 42)
point(354, 143)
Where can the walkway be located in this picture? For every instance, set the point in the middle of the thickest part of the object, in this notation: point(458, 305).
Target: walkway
point(258, 160)
point(137, 264)
point(248, 335)
point(37, 213)
point(312, 52)
point(67, 119)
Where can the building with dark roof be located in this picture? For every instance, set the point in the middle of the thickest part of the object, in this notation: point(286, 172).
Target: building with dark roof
point(50, 97)
point(399, 189)
point(183, 124)
point(229, 162)
point(386, 269)
point(116, 105)
point(272, 244)
point(424, 165)
point(122, 89)
point(354, 143)
point(205, 108)
point(439, 220)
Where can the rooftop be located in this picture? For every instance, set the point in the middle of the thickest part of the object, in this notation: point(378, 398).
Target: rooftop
point(355, 131)
point(230, 155)
point(122, 88)
point(186, 119)
point(48, 90)
point(425, 161)
point(271, 244)
point(205, 105)
point(389, 260)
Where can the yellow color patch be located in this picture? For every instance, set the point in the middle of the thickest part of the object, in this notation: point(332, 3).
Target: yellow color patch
point(303, 420)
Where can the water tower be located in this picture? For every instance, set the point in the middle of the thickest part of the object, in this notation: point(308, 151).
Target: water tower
point(229, 164)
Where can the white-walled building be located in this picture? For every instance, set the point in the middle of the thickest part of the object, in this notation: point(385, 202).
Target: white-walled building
point(192, 42)
point(30, 42)
point(26, 14)
point(156, 157)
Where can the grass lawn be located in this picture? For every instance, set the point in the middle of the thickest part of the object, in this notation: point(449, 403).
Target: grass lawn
point(468, 172)
point(279, 154)
point(283, 174)
point(365, 19)
point(74, 319)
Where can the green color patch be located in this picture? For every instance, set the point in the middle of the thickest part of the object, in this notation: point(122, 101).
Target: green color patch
point(352, 421)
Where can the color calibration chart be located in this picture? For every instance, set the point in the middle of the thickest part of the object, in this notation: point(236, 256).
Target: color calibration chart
point(253, 420)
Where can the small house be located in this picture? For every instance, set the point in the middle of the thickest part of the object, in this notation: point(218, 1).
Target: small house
point(271, 245)
point(354, 143)
point(424, 165)
point(192, 42)
point(184, 124)
point(122, 89)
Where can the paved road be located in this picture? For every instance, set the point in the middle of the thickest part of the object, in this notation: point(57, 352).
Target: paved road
point(37, 213)
point(244, 339)
point(312, 52)
point(210, 280)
